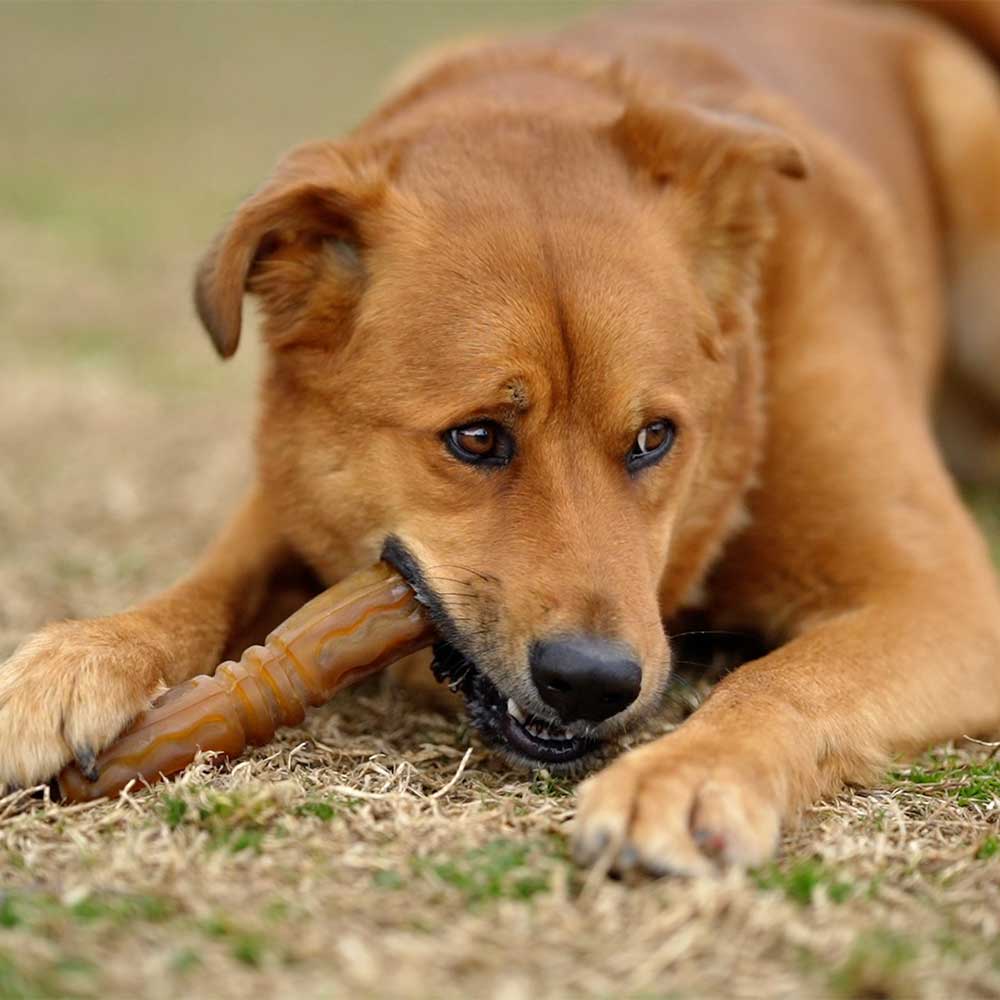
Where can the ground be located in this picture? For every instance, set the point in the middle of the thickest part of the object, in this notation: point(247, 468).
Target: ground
point(377, 850)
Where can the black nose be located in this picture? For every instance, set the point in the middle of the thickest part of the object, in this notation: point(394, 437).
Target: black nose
point(585, 677)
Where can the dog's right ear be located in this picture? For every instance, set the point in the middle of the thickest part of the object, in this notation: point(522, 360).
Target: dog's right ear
point(716, 163)
point(318, 198)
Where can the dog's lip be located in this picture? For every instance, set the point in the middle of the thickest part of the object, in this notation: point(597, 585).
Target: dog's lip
point(489, 711)
point(544, 749)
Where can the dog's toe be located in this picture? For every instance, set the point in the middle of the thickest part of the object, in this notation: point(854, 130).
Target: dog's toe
point(68, 692)
point(86, 760)
point(660, 812)
point(734, 825)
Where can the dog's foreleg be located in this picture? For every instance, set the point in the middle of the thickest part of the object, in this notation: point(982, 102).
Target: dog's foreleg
point(827, 708)
point(861, 561)
point(72, 687)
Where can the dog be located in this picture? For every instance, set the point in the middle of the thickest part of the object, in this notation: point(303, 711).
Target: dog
point(581, 330)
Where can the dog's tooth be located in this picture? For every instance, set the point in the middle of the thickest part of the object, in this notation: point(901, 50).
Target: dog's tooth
point(514, 709)
point(538, 727)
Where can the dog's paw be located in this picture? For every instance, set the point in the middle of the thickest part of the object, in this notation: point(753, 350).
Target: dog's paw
point(677, 807)
point(69, 690)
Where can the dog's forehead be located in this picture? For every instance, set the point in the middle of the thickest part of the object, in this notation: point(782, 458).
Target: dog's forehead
point(521, 302)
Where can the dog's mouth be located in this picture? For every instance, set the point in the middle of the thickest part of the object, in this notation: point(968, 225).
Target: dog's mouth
point(526, 739)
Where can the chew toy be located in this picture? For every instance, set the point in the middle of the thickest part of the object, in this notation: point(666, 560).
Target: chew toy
point(351, 630)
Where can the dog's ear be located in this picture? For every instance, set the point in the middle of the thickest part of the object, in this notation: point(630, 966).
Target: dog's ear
point(311, 213)
point(683, 141)
point(716, 162)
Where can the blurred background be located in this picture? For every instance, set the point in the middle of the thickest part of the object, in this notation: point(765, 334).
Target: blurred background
point(128, 132)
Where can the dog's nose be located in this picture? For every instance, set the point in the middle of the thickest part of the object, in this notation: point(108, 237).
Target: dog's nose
point(585, 677)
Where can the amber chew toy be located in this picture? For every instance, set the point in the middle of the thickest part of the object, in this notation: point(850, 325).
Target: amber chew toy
point(349, 631)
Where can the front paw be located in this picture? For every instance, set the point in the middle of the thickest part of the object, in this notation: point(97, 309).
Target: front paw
point(679, 806)
point(69, 690)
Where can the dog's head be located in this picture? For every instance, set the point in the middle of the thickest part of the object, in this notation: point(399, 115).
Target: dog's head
point(515, 357)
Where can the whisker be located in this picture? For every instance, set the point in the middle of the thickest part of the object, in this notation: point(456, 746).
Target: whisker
point(680, 678)
point(449, 579)
point(465, 569)
point(733, 635)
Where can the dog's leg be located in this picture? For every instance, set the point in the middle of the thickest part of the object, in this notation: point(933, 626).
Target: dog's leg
point(72, 687)
point(912, 659)
point(862, 560)
point(825, 709)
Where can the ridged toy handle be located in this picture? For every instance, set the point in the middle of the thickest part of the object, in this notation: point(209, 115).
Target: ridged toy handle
point(351, 630)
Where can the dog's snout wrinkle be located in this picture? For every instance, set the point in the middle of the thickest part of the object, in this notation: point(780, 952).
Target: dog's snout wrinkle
point(585, 677)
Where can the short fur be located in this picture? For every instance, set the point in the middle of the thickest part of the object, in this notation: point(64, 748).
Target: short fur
point(757, 221)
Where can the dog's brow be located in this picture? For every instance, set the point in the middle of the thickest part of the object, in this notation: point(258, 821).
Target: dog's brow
point(517, 391)
point(500, 401)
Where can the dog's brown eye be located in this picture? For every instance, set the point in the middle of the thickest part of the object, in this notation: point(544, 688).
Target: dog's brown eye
point(483, 443)
point(651, 444)
point(479, 440)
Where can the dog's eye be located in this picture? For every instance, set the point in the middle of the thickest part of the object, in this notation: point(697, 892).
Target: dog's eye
point(483, 443)
point(651, 444)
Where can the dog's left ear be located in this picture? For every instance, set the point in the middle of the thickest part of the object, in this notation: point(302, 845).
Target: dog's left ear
point(718, 162)
point(311, 211)
point(683, 141)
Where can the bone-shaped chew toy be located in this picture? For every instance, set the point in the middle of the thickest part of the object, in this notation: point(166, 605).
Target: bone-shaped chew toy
point(351, 630)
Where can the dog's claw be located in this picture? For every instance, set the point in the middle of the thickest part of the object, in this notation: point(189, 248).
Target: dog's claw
point(711, 843)
point(86, 760)
point(586, 850)
point(627, 860)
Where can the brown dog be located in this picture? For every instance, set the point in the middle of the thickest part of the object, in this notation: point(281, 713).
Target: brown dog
point(585, 329)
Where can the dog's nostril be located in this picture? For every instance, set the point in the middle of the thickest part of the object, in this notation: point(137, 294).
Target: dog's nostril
point(585, 677)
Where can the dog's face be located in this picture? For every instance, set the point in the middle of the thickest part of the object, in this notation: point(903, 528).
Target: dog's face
point(505, 374)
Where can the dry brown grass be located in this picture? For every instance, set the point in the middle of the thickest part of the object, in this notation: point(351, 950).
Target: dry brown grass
point(371, 854)
point(357, 856)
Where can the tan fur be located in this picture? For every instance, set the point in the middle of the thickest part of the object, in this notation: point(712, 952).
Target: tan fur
point(753, 220)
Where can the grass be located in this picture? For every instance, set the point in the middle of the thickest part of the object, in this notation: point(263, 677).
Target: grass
point(877, 966)
point(990, 847)
point(804, 879)
point(24, 908)
point(262, 878)
point(500, 869)
point(967, 783)
point(129, 132)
